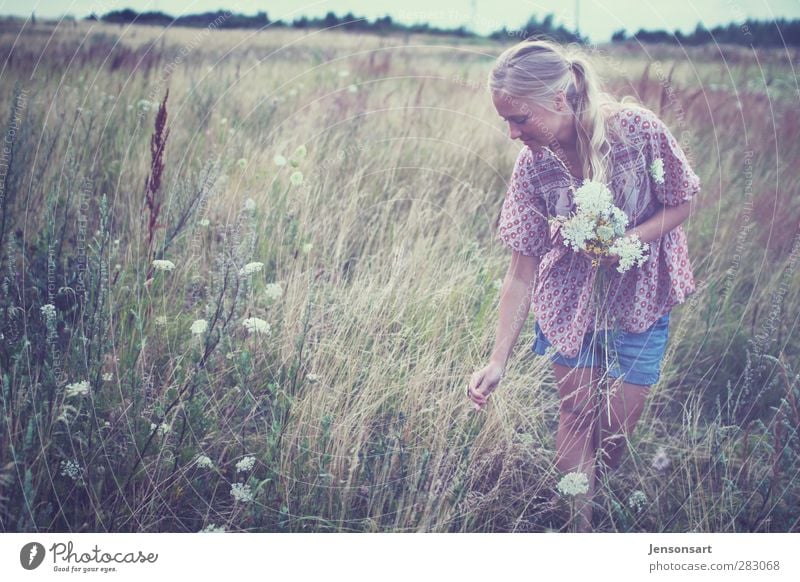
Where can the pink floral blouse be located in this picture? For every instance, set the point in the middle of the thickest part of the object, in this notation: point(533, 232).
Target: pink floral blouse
point(563, 300)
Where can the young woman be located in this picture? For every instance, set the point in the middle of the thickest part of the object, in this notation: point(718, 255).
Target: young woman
point(571, 131)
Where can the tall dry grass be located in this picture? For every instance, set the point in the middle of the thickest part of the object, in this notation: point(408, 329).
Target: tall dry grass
point(387, 264)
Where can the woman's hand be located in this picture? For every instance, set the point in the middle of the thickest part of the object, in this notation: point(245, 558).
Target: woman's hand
point(483, 383)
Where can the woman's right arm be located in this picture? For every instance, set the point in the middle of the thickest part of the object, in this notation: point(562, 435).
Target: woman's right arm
point(515, 301)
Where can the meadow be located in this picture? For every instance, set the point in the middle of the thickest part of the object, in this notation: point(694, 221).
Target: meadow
point(321, 209)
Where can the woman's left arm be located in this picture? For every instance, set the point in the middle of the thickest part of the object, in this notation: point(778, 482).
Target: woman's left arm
point(662, 221)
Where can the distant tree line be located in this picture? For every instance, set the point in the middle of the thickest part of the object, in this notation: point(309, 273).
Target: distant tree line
point(349, 21)
point(769, 33)
point(751, 32)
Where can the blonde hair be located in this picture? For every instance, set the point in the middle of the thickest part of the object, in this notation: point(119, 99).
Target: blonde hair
point(536, 70)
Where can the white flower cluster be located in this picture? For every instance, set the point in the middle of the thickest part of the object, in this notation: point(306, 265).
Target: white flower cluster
point(242, 492)
point(199, 327)
point(78, 388)
point(204, 462)
point(163, 265)
point(256, 325)
point(657, 170)
point(273, 291)
point(575, 483)
point(211, 528)
point(631, 251)
point(71, 469)
point(251, 268)
point(49, 311)
point(597, 227)
point(637, 501)
point(245, 464)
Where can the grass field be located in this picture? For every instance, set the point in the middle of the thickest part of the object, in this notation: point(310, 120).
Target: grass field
point(378, 280)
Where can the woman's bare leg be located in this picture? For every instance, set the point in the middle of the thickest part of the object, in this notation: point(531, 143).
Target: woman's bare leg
point(620, 411)
point(577, 439)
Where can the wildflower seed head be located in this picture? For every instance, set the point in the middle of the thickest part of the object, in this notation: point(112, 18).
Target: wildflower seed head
point(245, 464)
point(657, 170)
point(251, 268)
point(241, 492)
point(199, 327)
point(78, 389)
point(256, 325)
point(575, 483)
point(273, 291)
point(637, 501)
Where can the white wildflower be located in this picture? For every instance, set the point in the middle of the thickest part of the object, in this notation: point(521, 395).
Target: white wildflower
point(242, 492)
point(249, 204)
point(306, 248)
point(605, 232)
point(657, 170)
point(273, 291)
point(631, 251)
point(300, 152)
point(108, 376)
point(577, 230)
point(204, 222)
point(661, 461)
point(199, 327)
point(312, 378)
point(163, 429)
point(144, 104)
point(575, 483)
point(204, 462)
point(593, 197)
point(498, 284)
point(279, 160)
point(256, 325)
point(352, 89)
point(344, 73)
point(223, 121)
point(72, 469)
point(161, 320)
point(49, 311)
point(163, 265)
point(77, 389)
point(619, 220)
point(211, 528)
point(296, 178)
point(245, 464)
point(242, 163)
point(637, 501)
point(251, 268)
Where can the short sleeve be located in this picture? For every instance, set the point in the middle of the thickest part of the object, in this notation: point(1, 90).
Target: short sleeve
point(523, 225)
point(672, 179)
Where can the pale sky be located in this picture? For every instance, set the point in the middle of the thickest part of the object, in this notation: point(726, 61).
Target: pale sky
point(598, 19)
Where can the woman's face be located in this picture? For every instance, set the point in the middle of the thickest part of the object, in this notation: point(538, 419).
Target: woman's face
point(534, 125)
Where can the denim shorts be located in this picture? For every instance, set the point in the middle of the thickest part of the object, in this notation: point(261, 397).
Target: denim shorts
point(636, 356)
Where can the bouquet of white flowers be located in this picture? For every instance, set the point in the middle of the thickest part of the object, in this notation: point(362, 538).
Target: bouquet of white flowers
point(597, 228)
